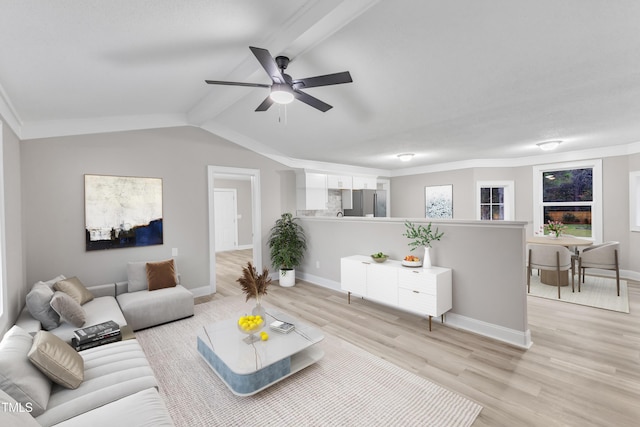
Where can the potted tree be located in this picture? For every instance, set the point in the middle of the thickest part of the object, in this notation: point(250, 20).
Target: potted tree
point(287, 243)
point(422, 237)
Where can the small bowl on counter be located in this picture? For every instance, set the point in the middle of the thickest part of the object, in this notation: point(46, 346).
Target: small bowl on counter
point(379, 257)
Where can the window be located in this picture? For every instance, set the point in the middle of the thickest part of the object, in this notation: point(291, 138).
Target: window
point(495, 201)
point(570, 193)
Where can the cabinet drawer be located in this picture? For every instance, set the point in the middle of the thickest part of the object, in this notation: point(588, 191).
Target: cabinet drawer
point(417, 280)
point(417, 302)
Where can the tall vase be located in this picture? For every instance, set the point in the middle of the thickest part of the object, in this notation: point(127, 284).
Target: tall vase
point(259, 309)
point(426, 263)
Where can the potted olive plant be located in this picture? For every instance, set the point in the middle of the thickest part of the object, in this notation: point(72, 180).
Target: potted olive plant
point(287, 243)
point(422, 236)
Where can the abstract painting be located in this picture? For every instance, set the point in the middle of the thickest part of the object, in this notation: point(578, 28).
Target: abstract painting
point(439, 201)
point(122, 211)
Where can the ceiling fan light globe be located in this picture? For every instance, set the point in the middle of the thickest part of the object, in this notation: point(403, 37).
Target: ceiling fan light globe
point(281, 94)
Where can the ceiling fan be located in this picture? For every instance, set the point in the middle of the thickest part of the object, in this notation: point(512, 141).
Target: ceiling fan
point(285, 89)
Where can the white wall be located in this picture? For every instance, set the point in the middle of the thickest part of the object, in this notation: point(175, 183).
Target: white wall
point(14, 274)
point(53, 192)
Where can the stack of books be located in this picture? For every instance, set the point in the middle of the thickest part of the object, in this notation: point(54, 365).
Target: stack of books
point(93, 336)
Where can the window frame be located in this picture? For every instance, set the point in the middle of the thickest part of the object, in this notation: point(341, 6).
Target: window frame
point(596, 204)
point(509, 198)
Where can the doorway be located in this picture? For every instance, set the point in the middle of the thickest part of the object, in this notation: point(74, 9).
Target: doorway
point(217, 231)
point(225, 203)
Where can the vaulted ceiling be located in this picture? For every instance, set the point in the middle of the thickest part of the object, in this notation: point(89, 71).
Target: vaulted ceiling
point(450, 81)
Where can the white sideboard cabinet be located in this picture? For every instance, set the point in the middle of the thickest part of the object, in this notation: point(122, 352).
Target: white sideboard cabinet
point(424, 291)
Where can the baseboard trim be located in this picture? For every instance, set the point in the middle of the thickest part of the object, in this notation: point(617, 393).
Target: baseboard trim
point(513, 337)
point(201, 291)
point(516, 338)
point(320, 281)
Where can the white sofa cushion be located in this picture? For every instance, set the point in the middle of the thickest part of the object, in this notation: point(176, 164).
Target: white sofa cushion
point(98, 310)
point(13, 413)
point(19, 378)
point(111, 372)
point(143, 309)
point(143, 409)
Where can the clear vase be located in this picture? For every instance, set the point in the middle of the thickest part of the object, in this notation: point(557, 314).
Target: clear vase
point(259, 310)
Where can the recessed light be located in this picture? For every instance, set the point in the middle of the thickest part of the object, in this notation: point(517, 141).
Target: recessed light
point(548, 145)
point(405, 157)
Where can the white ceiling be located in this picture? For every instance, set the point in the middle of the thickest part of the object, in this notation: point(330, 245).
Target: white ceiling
point(450, 81)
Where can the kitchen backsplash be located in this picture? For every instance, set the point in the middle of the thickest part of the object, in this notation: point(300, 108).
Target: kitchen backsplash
point(334, 206)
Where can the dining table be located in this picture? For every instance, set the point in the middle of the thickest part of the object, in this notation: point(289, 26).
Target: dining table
point(550, 277)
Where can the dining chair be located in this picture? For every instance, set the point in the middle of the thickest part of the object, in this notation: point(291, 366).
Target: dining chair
point(603, 256)
point(549, 257)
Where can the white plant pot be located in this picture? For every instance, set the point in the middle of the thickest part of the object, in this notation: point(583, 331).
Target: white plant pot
point(426, 262)
point(287, 278)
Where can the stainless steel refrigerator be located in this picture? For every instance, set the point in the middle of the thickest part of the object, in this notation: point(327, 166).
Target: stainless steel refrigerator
point(368, 203)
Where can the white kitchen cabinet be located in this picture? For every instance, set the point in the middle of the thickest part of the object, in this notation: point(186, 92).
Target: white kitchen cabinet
point(365, 183)
point(424, 291)
point(311, 191)
point(339, 182)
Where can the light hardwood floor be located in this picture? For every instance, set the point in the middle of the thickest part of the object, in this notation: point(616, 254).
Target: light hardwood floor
point(582, 370)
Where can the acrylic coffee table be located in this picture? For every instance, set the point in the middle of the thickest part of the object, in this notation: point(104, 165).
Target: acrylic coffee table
point(249, 368)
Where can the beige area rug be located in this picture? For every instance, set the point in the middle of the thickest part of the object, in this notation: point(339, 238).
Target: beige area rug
point(599, 292)
point(347, 387)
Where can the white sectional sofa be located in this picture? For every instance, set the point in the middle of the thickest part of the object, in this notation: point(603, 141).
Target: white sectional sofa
point(119, 387)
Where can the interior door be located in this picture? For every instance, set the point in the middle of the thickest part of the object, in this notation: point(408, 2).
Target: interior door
point(226, 224)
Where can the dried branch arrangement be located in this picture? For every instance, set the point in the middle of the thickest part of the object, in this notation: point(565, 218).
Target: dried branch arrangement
point(254, 285)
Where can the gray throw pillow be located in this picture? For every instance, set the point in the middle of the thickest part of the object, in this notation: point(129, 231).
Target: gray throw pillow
point(38, 304)
point(137, 276)
point(69, 309)
point(19, 378)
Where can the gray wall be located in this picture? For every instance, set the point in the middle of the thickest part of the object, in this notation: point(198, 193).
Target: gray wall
point(408, 198)
point(487, 259)
point(13, 275)
point(243, 193)
point(53, 193)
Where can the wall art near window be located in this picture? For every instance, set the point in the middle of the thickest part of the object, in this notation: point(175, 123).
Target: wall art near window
point(122, 211)
point(439, 201)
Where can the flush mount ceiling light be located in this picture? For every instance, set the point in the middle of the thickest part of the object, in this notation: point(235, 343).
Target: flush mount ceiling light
point(281, 94)
point(405, 157)
point(548, 145)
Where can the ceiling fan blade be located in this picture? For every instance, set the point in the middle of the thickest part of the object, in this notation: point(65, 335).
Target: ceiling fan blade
point(326, 80)
point(312, 101)
point(268, 102)
point(268, 63)
point(218, 82)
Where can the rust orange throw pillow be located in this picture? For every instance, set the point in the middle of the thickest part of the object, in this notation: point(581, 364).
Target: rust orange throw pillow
point(161, 275)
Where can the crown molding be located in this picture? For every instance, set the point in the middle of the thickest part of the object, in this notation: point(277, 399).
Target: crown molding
point(9, 114)
point(568, 156)
point(55, 128)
